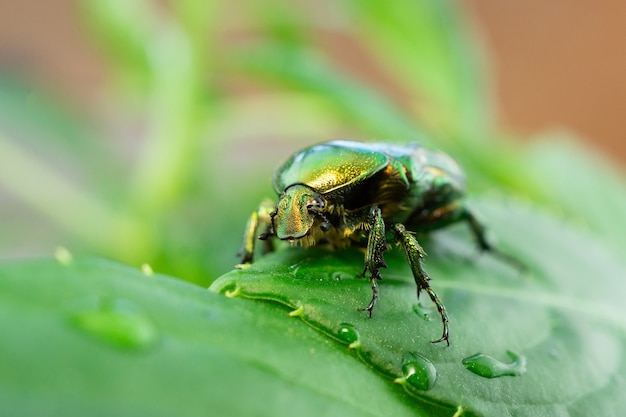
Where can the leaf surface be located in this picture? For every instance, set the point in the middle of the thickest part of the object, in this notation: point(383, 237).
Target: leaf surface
point(98, 338)
point(566, 319)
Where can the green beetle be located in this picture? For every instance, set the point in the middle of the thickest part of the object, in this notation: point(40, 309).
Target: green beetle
point(343, 192)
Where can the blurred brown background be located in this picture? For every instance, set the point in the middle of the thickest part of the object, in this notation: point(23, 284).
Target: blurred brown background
point(557, 63)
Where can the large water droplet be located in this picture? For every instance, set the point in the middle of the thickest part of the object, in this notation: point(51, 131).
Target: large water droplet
point(118, 322)
point(417, 371)
point(490, 367)
point(422, 311)
point(350, 335)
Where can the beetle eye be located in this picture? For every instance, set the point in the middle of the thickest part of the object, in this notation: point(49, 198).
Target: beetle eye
point(325, 226)
point(315, 203)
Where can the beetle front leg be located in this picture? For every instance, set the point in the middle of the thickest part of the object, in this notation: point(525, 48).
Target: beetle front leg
point(376, 245)
point(415, 254)
point(261, 218)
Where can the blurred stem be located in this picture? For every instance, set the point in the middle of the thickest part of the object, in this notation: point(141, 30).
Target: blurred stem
point(176, 120)
point(304, 69)
point(162, 52)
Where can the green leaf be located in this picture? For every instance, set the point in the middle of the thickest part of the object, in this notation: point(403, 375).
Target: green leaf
point(91, 337)
point(581, 183)
point(566, 319)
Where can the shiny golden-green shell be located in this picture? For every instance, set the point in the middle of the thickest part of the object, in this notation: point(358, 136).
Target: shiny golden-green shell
point(328, 166)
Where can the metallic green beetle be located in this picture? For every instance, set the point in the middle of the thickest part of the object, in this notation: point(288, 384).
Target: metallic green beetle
point(342, 193)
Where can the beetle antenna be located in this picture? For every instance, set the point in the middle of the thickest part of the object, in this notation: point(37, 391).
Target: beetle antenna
point(325, 225)
point(314, 207)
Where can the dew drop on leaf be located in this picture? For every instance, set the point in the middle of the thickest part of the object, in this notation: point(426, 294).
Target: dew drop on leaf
point(117, 322)
point(417, 372)
point(339, 275)
point(489, 367)
point(423, 312)
point(349, 334)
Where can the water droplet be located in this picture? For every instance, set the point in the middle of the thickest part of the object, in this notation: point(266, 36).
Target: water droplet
point(63, 256)
point(295, 267)
point(423, 312)
point(350, 335)
point(554, 353)
point(118, 322)
point(490, 367)
point(340, 275)
point(417, 371)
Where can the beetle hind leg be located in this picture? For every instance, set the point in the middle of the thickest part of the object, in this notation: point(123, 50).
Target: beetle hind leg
point(372, 303)
point(484, 245)
point(414, 254)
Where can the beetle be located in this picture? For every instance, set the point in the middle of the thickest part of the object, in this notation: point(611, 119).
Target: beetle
point(343, 193)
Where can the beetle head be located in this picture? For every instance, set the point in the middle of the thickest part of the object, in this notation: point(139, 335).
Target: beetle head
point(296, 211)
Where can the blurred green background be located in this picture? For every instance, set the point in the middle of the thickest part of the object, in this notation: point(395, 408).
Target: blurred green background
point(159, 140)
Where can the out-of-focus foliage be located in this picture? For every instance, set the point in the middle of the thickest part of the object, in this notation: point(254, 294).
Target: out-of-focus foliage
point(203, 99)
point(208, 98)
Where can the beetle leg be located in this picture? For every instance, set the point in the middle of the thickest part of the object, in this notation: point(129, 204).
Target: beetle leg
point(260, 218)
point(483, 243)
point(376, 245)
point(415, 254)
